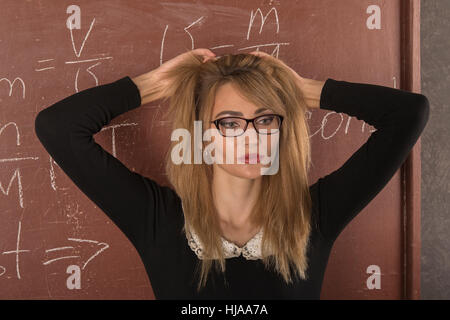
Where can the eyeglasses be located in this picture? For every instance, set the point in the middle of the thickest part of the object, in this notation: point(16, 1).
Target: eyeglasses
point(236, 126)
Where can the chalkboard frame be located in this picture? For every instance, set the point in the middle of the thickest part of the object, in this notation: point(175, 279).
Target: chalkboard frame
point(411, 169)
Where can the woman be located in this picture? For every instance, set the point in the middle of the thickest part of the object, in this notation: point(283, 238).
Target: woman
point(269, 235)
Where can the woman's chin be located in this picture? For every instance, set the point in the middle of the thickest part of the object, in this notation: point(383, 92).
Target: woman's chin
point(245, 171)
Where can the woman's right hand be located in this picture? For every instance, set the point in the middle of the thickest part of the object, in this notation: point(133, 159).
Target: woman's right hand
point(152, 85)
point(206, 53)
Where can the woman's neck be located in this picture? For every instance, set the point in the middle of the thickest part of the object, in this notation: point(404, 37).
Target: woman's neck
point(234, 198)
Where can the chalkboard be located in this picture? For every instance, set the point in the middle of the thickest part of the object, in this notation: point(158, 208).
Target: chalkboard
point(50, 231)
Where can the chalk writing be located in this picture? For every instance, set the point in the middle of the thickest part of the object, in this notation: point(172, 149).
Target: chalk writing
point(17, 251)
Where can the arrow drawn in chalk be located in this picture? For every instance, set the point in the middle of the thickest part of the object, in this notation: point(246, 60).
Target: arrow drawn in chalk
point(103, 246)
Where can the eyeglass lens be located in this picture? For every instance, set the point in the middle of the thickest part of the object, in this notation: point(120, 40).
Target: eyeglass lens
point(234, 126)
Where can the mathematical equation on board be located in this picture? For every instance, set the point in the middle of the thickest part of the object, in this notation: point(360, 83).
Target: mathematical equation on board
point(58, 253)
point(81, 63)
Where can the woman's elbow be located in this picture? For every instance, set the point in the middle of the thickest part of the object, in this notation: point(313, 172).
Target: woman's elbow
point(421, 111)
point(45, 124)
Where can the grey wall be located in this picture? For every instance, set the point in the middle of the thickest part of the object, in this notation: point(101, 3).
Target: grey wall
point(435, 56)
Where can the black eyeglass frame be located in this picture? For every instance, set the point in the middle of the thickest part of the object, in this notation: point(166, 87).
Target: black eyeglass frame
point(216, 123)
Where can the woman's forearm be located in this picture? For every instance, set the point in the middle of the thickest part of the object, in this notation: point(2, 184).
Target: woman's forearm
point(311, 91)
point(152, 87)
point(146, 84)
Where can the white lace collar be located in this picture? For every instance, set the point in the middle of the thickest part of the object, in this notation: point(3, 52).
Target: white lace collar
point(250, 251)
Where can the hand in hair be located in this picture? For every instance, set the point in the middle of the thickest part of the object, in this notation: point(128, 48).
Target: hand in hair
point(205, 53)
point(310, 88)
point(153, 86)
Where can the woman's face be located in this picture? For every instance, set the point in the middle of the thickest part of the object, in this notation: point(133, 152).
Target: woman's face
point(252, 151)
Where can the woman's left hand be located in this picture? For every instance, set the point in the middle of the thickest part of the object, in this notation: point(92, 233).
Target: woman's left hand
point(310, 88)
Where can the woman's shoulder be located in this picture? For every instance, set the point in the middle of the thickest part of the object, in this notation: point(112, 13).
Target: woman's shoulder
point(166, 204)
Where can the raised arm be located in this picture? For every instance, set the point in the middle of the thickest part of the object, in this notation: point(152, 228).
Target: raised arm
point(134, 202)
point(399, 117)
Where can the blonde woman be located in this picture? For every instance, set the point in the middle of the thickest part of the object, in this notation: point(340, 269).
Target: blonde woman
point(227, 230)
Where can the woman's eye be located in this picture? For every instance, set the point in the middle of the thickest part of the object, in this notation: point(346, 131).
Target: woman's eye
point(229, 124)
point(265, 121)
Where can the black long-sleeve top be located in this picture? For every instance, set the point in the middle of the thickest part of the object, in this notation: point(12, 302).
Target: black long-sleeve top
point(151, 215)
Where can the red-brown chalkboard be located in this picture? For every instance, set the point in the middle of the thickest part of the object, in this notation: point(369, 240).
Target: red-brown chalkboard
point(49, 228)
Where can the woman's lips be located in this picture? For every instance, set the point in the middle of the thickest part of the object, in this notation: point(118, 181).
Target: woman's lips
point(253, 158)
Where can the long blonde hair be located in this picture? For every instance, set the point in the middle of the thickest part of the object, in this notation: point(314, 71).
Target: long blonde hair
point(284, 205)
